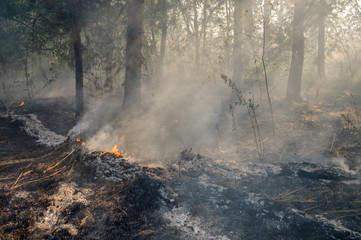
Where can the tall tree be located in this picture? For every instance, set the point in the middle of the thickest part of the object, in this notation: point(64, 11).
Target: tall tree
point(321, 40)
point(298, 42)
point(133, 66)
point(76, 39)
point(164, 22)
point(196, 34)
point(204, 27)
point(237, 54)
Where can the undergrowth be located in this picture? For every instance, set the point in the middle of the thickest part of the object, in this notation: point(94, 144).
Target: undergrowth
point(251, 110)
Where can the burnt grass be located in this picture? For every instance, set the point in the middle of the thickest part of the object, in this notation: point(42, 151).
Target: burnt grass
point(51, 193)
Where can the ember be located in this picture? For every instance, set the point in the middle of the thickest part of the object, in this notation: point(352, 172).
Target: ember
point(115, 152)
point(21, 104)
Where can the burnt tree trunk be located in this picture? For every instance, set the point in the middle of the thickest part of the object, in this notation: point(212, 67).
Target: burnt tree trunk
point(298, 42)
point(132, 81)
point(27, 72)
point(76, 39)
point(237, 54)
point(321, 42)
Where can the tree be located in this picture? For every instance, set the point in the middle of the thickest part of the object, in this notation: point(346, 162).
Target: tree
point(164, 22)
point(237, 54)
point(321, 40)
point(134, 37)
point(196, 34)
point(76, 40)
point(298, 42)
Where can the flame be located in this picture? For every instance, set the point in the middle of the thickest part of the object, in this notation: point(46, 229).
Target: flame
point(21, 104)
point(115, 152)
point(80, 141)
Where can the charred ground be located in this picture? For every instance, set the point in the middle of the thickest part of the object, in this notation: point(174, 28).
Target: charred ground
point(64, 192)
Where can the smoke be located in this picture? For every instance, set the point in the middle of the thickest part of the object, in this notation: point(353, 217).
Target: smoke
point(175, 115)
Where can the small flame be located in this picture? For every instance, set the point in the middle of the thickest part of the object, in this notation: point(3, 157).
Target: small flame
point(21, 104)
point(115, 152)
point(80, 141)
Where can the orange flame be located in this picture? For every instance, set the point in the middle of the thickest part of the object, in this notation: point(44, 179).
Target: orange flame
point(80, 141)
point(21, 104)
point(115, 152)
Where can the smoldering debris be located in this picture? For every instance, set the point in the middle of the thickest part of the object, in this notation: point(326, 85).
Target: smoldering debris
point(34, 128)
point(111, 168)
point(66, 196)
point(178, 115)
point(247, 200)
point(196, 197)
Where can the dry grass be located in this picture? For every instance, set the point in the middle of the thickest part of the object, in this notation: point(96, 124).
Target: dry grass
point(59, 162)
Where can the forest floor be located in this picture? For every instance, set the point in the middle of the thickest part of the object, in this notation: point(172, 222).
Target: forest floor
point(306, 186)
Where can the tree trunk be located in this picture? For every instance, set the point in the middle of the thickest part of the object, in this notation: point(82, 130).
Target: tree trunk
point(281, 18)
point(27, 72)
point(237, 54)
point(163, 41)
point(321, 42)
point(249, 23)
point(79, 96)
point(132, 81)
point(298, 42)
point(266, 12)
point(204, 29)
point(196, 34)
point(228, 59)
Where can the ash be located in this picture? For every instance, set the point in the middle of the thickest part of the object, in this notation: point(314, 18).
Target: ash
point(67, 195)
point(247, 200)
point(34, 128)
point(111, 168)
point(192, 227)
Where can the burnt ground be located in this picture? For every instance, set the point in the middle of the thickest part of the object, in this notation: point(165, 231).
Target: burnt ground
point(63, 192)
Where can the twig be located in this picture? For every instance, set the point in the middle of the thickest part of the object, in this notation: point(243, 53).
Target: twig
point(38, 180)
point(251, 113)
point(265, 73)
point(48, 169)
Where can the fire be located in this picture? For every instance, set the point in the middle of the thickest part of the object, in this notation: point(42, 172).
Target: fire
point(80, 141)
point(115, 152)
point(21, 104)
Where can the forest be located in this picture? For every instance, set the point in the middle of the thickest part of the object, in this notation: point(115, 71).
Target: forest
point(180, 119)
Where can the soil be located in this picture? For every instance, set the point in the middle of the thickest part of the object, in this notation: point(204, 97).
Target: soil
point(65, 192)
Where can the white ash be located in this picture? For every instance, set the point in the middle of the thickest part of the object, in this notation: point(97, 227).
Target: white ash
point(193, 227)
point(64, 198)
point(111, 168)
point(34, 128)
point(336, 224)
point(254, 200)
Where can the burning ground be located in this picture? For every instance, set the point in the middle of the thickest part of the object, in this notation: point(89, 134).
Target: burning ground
point(52, 187)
